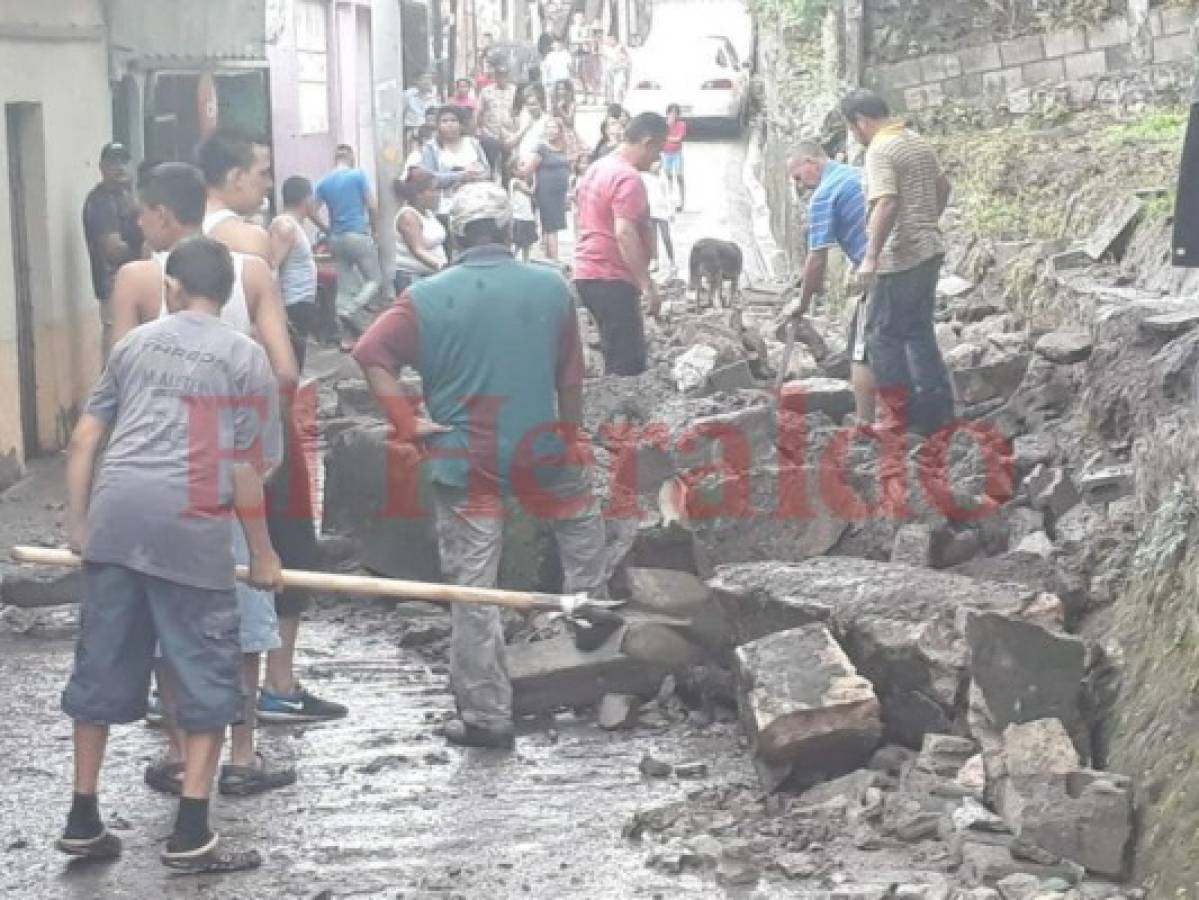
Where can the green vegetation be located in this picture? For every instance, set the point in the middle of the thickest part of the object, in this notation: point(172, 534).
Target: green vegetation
point(1156, 128)
point(791, 12)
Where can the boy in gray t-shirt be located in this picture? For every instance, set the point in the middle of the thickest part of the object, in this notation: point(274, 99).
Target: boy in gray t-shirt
point(191, 406)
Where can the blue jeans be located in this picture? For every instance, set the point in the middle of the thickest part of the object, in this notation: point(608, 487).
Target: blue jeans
point(904, 355)
point(359, 275)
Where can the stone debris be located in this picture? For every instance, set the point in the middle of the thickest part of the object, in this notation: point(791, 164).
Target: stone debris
point(1173, 324)
point(691, 770)
point(1065, 347)
point(693, 369)
point(913, 546)
point(807, 710)
point(1052, 491)
point(831, 396)
point(28, 587)
point(1107, 484)
point(1023, 673)
point(1038, 544)
point(1115, 225)
point(554, 673)
point(653, 767)
point(618, 711)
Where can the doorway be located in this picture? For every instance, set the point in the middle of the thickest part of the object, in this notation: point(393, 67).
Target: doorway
point(27, 194)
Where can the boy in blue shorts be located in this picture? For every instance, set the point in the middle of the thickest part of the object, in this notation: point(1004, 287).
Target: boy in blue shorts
point(190, 407)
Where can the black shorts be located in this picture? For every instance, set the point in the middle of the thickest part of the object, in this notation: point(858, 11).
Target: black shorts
point(123, 614)
point(291, 521)
point(616, 307)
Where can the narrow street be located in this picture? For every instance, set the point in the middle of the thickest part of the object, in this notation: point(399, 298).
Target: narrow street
point(383, 807)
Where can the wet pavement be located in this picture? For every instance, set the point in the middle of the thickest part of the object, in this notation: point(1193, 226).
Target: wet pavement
point(383, 807)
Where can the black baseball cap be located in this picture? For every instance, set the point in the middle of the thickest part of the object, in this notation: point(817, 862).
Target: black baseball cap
point(115, 152)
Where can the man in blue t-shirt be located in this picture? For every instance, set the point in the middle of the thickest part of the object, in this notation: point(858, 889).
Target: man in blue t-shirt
point(353, 232)
point(836, 217)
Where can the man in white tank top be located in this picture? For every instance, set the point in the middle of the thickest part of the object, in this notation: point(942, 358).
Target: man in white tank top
point(237, 171)
point(172, 209)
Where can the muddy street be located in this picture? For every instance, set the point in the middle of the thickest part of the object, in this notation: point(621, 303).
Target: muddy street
point(383, 807)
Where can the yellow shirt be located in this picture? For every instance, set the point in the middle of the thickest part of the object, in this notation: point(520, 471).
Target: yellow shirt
point(903, 165)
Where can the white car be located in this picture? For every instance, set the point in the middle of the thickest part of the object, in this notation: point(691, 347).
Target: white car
point(704, 77)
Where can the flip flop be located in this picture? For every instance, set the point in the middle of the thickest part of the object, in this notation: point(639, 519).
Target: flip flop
point(245, 781)
point(105, 845)
point(211, 859)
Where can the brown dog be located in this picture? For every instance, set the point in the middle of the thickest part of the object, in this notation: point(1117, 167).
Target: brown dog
point(713, 263)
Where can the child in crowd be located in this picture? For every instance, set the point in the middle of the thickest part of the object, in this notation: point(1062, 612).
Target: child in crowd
point(660, 213)
point(191, 434)
point(672, 152)
point(524, 217)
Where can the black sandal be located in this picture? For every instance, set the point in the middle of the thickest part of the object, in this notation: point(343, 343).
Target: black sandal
point(166, 777)
point(105, 845)
point(211, 859)
point(245, 781)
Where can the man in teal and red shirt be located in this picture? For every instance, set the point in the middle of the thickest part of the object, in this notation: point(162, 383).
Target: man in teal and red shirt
point(496, 343)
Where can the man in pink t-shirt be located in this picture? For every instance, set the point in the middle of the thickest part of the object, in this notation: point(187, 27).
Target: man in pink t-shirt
point(616, 243)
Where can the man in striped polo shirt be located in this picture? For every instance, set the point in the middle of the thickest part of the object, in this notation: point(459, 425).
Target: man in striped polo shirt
point(836, 216)
point(907, 192)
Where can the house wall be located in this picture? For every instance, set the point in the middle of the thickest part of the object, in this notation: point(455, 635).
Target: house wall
point(38, 44)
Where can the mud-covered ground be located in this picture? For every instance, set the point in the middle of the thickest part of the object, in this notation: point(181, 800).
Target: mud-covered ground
point(383, 807)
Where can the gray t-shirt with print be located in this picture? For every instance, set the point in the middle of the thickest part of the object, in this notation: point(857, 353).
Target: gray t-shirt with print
point(186, 395)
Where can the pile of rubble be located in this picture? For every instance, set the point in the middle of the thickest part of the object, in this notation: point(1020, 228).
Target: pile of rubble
point(895, 625)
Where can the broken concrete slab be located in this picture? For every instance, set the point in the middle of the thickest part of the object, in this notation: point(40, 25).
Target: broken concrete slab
point(618, 711)
point(831, 396)
point(985, 863)
point(944, 755)
point(554, 673)
point(901, 626)
point(997, 380)
point(804, 705)
point(769, 513)
point(1023, 672)
point(1042, 747)
point(1171, 325)
point(30, 588)
point(1066, 346)
point(1051, 490)
point(913, 546)
point(1114, 226)
point(1084, 817)
point(1107, 484)
point(694, 367)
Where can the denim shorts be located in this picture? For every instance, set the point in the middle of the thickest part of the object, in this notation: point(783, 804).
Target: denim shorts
point(259, 630)
point(672, 163)
point(122, 615)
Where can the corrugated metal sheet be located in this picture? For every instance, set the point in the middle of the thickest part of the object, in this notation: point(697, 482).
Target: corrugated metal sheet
point(176, 30)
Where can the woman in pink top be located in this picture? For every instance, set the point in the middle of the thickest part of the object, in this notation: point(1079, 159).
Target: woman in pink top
point(672, 151)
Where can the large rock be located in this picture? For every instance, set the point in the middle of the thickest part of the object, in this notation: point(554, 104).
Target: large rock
point(830, 396)
point(809, 713)
point(554, 673)
point(1024, 672)
point(1084, 817)
point(31, 587)
point(902, 627)
point(681, 596)
point(1042, 747)
point(1066, 346)
point(997, 380)
point(769, 513)
point(1052, 490)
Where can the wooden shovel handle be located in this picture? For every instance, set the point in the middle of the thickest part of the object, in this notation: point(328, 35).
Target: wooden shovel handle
point(333, 583)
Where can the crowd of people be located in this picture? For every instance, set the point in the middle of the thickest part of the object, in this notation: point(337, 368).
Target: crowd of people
point(191, 430)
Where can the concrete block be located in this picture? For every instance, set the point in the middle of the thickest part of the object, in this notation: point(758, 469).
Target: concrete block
point(1173, 48)
point(1019, 51)
point(1039, 748)
point(1084, 817)
point(1111, 33)
point(1003, 82)
point(901, 75)
point(1063, 43)
point(974, 60)
point(913, 546)
point(1177, 19)
point(1024, 672)
point(939, 67)
point(1046, 70)
point(1120, 58)
point(804, 704)
point(1065, 346)
point(927, 96)
point(618, 711)
point(1091, 64)
point(830, 396)
point(550, 674)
